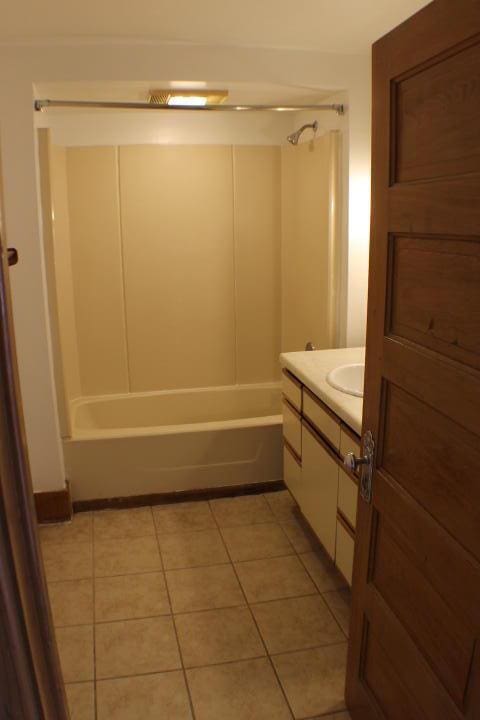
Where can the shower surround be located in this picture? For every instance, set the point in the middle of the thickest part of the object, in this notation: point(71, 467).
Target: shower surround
point(169, 302)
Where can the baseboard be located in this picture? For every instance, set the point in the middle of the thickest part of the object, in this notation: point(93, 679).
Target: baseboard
point(54, 506)
point(175, 497)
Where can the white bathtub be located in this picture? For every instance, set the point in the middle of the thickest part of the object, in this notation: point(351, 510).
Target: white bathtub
point(172, 441)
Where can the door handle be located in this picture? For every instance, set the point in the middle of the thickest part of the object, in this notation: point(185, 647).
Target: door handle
point(366, 463)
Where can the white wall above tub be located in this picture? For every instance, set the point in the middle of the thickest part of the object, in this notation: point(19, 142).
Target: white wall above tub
point(120, 127)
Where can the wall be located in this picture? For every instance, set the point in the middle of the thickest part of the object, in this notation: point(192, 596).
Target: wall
point(176, 265)
point(58, 266)
point(21, 66)
point(117, 127)
point(307, 243)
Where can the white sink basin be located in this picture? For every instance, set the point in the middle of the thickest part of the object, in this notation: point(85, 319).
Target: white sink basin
point(348, 379)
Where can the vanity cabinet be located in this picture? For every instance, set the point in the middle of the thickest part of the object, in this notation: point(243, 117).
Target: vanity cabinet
point(315, 443)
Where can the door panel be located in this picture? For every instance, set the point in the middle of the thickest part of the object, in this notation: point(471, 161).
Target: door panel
point(416, 624)
point(431, 440)
point(432, 281)
point(436, 117)
point(430, 621)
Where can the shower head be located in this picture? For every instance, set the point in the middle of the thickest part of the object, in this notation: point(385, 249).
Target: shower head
point(295, 137)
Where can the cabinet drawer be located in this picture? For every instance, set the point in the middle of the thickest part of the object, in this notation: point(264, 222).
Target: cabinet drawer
point(328, 425)
point(347, 497)
point(344, 552)
point(292, 428)
point(292, 473)
point(292, 389)
point(319, 488)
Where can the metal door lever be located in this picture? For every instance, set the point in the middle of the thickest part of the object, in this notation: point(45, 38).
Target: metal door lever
point(366, 463)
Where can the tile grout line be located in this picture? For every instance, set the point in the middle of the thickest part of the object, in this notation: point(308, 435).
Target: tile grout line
point(267, 656)
point(180, 654)
point(190, 612)
point(275, 520)
point(95, 703)
point(322, 593)
point(215, 664)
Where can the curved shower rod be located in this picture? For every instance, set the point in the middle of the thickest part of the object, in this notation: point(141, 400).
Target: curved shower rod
point(40, 105)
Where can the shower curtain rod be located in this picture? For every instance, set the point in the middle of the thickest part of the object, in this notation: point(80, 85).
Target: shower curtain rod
point(40, 105)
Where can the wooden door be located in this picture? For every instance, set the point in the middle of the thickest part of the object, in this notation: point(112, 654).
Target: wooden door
point(415, 651)
point(31, 684)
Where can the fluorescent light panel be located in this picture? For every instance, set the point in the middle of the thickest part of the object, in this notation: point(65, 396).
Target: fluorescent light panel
point(186, 98)
point(191, 100)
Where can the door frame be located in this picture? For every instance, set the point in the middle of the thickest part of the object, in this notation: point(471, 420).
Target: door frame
point(31, 682)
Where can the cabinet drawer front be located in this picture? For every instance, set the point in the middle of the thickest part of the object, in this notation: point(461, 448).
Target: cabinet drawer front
point(348, 444)
point(292, 428)
point(292, 473)
point(321, 419)
point(347, 497)
point(292, 389)
point(344, 552)
point(319, 489)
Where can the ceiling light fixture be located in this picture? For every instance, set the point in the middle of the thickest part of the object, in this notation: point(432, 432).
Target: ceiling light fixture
point(187, 98)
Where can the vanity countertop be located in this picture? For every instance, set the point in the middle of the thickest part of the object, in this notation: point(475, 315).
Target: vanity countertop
point(312, 368)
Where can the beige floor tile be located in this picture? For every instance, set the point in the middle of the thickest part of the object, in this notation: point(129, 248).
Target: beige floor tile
point(135, 647)
point(183, 517)
point(296, 624)
point(336, 716)
point(125, 556)
point(322, 570)
point(253, 542)
point(274, 578)
point(218, 636)
point(192, 549)
point(81, 701)
point(124, 597)
point(71, 602)
point(203, 588)
point(282, 504)
point(242, 510)
point(131, 523)
point(246, 690)
point(301, 538)
point(339, 602)
point(68, 561)
point(75, 646)
point(314, 680)
point(78, 530)
point(148, 697)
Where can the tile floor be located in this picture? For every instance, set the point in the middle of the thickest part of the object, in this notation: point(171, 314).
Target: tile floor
point(220, 610)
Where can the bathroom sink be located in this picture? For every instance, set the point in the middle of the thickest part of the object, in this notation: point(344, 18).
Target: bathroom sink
point(348, 379)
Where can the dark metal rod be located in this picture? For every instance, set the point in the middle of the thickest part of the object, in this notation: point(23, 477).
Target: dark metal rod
point(40, 105)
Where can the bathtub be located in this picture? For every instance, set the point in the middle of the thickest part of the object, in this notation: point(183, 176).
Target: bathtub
point(173, 441)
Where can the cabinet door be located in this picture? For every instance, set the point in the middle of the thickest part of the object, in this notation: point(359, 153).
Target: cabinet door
point(292, 473)
point(319, 488)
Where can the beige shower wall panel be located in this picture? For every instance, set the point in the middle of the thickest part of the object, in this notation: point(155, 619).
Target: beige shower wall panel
point(305, 244)
point(97, 261)
point(63, 271)
point(177, 228)
point(257, 261)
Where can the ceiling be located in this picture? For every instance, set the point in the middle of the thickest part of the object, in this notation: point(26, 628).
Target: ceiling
point(334, 26)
